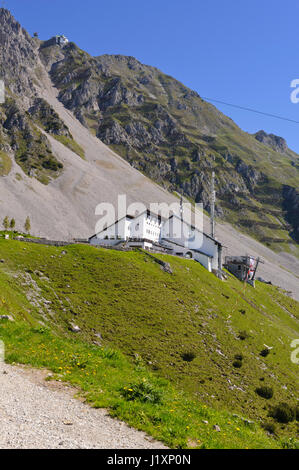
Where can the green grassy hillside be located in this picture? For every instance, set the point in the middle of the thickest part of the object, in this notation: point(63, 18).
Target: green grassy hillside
point(165, 352)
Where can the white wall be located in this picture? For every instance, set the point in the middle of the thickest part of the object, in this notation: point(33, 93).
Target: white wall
point(97, 241)
point(117, 231)
point(147, 227)
point(136, 227)
point(203, 260)
point(173, 229)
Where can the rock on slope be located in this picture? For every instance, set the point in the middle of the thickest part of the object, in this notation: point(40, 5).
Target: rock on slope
point(50, 181)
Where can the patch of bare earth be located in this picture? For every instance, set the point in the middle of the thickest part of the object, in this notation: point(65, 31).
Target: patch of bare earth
point(35, 413)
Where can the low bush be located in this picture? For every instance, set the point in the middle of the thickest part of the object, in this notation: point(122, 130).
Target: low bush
point(243, 335)
point(264, 392)
point(269, 427)
point(290, 443)
point(143, 391)
point(239, 357)
point(283, 413)
point(188, 356)
point(237, 364)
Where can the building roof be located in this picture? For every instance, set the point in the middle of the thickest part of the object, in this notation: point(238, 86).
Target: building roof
point(194, 228)
point(148, 212)
point(127, 216)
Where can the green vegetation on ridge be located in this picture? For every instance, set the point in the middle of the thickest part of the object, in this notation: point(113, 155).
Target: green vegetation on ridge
point(5, 164)
point(32, 149)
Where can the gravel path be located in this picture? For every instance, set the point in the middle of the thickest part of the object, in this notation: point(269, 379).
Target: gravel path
point(45, 415)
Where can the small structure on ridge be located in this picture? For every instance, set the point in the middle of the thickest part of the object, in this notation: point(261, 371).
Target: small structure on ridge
point(243, 267)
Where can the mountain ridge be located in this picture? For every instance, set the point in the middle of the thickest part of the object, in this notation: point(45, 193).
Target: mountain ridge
point(135, 109)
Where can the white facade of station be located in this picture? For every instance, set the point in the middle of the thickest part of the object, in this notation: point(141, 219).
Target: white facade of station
point(150, 231)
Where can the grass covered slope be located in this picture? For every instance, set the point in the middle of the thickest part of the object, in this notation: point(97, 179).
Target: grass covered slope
point(5, 164)
point(179, 337)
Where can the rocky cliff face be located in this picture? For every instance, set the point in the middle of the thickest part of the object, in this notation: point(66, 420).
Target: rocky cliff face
point(169, 133)
point(17, 57)
point(24, 115)
point(291, 206)
point(275, 142)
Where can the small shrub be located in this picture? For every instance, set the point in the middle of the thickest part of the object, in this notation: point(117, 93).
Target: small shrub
point(290, 443)
point(264, 392)
point(265, 352)
point(143, 391)
point(39, 329)
point(108, 353)
point(237, 364)
point(270, 427)
point(76, 361)
point(283, 413)
point(243, 335)
point(188, 356)
point(239, 357)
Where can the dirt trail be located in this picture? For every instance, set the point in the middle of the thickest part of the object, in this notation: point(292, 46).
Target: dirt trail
point(45, 415)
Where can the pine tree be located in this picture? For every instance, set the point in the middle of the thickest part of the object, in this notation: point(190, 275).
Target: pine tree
point(27, 225)
point(12, 224)
point(6, 223)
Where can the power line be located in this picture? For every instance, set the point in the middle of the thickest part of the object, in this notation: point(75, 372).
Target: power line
point(251, 110)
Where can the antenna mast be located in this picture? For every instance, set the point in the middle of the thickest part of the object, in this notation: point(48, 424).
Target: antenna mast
point(213, 199)
point(181, 207)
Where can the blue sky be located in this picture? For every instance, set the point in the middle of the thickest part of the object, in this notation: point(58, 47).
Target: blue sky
point(246, 53)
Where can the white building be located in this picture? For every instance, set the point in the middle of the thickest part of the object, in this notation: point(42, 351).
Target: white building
point(172, 235)
point(190, 242)
point(58, 40)
point(61, 40)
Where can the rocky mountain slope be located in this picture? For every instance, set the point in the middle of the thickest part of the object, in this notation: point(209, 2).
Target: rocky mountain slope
point(170, 134)
point(46, 173)
point(54, 167)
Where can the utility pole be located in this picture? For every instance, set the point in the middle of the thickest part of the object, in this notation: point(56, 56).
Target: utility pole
point(181, 216)
point(256, 265)
point(213, 199)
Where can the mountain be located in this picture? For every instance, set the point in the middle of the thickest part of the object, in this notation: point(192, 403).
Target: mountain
point(190, 359)
point(47, 173)
point(77, 130)
point(168, 132)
